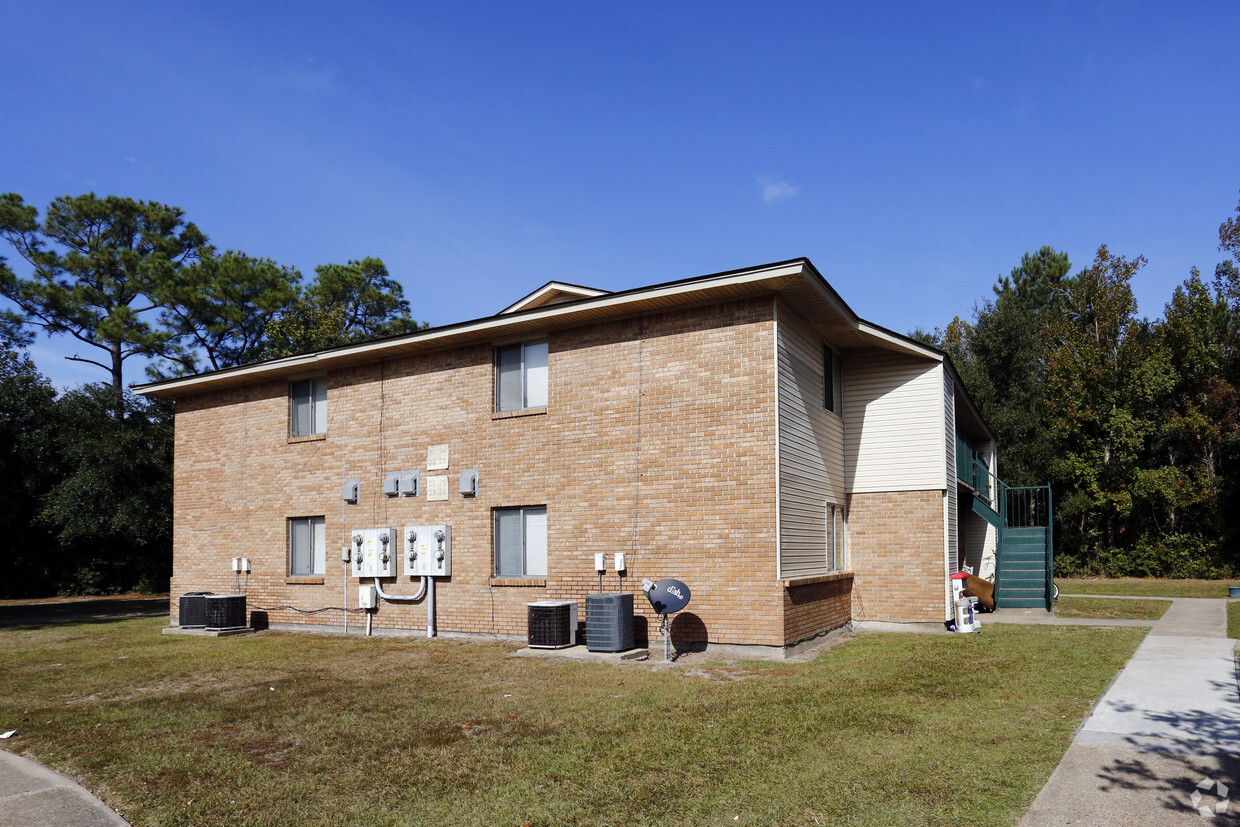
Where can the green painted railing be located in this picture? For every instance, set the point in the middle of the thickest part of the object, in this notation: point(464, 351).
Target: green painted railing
point(1031, 506)
point(1022, 506)
point(972, 469)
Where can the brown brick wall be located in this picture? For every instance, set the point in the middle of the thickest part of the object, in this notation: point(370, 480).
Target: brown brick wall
point(658, 440)
point(896, 553)
point(814, 608)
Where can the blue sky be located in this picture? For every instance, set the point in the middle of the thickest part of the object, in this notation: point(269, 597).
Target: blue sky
point(912, 151)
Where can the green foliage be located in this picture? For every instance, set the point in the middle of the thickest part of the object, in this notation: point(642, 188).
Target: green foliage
point(110, 510)
point(218, 310)
point(1105, 378)
point(346, 303)
point(999, 357)
point(373, 302)
point(302, 328)
point(1038, 281)
point(98, 266)
point(28, 464)
point(1172, 555)
point(1136, 424)
point(85, 497)
point(86, 478)
point(133, 278)
point(14, 333)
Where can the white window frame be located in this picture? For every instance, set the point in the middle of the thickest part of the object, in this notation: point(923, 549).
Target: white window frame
point(312, 394)
point(311, 561)
point(836, 545)
point(533, 541)
point(832, 381)
point(531, 367)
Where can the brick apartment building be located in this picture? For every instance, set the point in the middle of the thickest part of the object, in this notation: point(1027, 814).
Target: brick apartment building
point(744, 432)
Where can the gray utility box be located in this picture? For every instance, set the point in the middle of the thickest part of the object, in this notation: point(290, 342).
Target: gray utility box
point(609, 622)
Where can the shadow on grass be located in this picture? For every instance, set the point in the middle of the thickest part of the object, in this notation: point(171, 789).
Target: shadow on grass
point(102, 610)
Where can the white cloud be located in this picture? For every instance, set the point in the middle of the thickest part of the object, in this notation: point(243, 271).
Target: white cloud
point(774, 190)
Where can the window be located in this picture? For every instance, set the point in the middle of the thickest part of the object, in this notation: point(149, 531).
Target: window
point(521, 376)
point(836, 531)
point(521, 542)
point(307, 407)
point(832, 381)
point(307, 547)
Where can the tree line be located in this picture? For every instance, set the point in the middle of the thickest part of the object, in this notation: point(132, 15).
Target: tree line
point(86, 475)
point(1135, 422)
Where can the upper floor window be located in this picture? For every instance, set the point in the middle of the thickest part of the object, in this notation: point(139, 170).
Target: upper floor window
point(307, 407)
point(832, 381)
point(521, 376)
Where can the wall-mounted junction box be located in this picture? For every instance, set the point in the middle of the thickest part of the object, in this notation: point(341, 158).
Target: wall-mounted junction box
point(367, 596)
point(374, 552)
point(428, 550)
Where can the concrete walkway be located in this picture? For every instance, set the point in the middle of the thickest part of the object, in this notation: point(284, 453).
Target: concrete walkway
point(1163, 735)
point(31, 795)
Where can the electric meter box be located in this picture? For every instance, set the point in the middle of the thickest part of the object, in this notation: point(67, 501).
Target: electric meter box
point(374, 552)
point(428, 550)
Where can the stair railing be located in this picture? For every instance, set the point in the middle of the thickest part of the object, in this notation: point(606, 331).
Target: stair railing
point(1031, 506)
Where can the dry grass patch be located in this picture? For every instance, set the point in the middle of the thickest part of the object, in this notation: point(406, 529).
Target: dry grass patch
point(1145, 586)
point(298, 729)
point(1110, 609)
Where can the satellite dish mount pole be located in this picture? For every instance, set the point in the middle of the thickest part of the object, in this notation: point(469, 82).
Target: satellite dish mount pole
point(666, 628)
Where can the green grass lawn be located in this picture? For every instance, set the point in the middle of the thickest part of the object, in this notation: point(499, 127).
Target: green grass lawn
point(1110, 608)
point(278, 729)
point(1233, 620)
point(1145, 586)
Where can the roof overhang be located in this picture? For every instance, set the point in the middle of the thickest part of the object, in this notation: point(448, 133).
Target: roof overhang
point(796, 280)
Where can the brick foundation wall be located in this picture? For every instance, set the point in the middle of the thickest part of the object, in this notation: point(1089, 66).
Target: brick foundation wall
point(816, 607)
point(658, 440)
point(896, 552)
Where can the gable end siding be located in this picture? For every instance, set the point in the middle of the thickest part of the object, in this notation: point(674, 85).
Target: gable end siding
point(893, 422)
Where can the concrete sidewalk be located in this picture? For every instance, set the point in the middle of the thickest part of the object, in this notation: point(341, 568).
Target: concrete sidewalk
point(1163, 735)
point(31, 795)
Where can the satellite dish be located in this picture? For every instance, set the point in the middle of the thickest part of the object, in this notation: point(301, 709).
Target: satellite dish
point(666, 595)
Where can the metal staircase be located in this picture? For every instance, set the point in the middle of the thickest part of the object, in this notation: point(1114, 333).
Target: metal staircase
point(1025, 558)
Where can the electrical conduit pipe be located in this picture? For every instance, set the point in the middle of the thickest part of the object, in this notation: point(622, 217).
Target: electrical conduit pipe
point(428, 589)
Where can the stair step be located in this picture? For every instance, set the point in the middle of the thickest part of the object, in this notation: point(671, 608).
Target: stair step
point(1023, 566)
point(1022, 586)
point(1021, 602)
point(1006, 554)
point(1020, 594)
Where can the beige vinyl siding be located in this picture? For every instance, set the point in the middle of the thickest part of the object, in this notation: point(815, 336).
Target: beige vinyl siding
point(978, 539)
point(811, 449)
point(893, 422)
